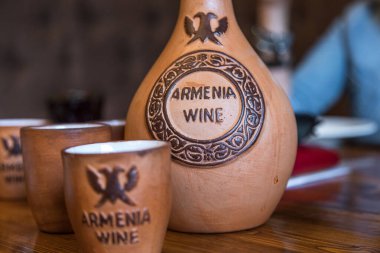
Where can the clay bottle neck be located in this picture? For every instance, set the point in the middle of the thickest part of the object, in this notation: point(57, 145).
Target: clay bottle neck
point(212, 10)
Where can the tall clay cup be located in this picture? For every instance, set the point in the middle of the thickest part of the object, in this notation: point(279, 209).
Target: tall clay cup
point(117, 128)
point(12, 185)
point(42, 148)
point(118, 195)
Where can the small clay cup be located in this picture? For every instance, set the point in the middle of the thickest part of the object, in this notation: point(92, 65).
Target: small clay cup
point(117, 127)
point(118, 195)
point(42, 148)
point(12, 185)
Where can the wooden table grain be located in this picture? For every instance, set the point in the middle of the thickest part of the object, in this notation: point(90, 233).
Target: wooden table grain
point(340, 215)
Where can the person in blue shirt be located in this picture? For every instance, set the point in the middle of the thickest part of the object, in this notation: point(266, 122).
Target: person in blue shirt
point(348, 56)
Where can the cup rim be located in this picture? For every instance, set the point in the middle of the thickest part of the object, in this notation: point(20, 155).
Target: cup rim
point(66, 126)
point(115, 147)
point(112, 122)
point(23, 122)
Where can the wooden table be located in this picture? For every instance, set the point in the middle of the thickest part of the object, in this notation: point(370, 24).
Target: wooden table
point(342, 215)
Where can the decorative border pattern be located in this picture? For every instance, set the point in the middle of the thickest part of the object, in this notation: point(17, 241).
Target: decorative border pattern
point(228, 146)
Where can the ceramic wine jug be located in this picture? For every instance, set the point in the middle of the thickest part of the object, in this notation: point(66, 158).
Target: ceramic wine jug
point(231, 127)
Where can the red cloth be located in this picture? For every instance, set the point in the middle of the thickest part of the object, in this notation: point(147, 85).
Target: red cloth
point(311, 159)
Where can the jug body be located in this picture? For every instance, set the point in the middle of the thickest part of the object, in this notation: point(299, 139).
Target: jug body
point(230, 126)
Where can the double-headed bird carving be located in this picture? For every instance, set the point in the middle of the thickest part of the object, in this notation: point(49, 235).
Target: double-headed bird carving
point(113, 189)
point(12, 145)
point(204, 31)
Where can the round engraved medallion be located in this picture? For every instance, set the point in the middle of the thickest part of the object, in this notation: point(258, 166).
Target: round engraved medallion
point(208, 106)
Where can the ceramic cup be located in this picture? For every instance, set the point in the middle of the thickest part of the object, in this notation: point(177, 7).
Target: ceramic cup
point(42, 148)
point(118, 195)
point(117, 126)
point(12, 185)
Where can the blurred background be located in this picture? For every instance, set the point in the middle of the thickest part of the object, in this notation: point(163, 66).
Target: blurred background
point(106, 47)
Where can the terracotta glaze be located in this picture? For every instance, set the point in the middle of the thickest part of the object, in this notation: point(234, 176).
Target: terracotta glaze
point(231, 127)
point(117, 128)
point(118, 195)
point(42, 148)
point(12, 182)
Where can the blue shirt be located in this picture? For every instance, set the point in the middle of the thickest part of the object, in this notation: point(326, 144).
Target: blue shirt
point(349, 54)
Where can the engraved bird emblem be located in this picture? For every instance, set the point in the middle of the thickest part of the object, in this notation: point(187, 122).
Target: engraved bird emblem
point(13, 147)
point(204, 31)
point(113, 189)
